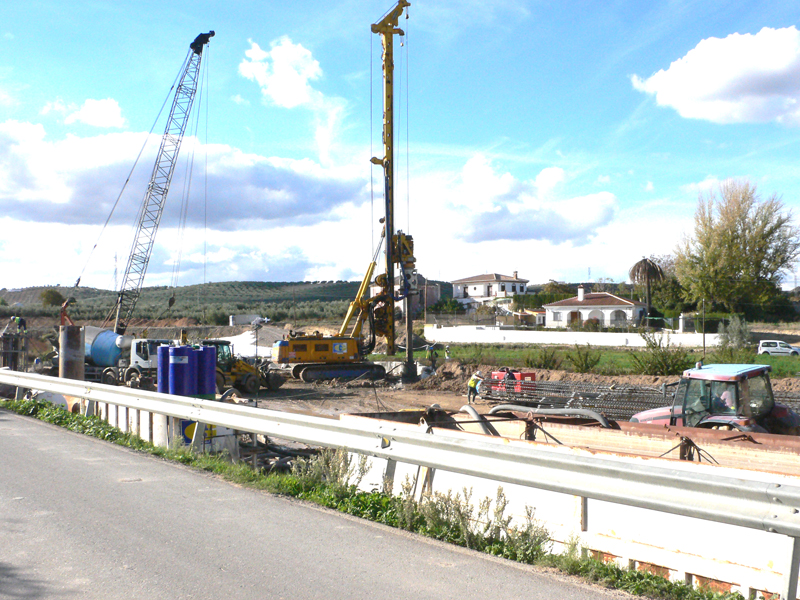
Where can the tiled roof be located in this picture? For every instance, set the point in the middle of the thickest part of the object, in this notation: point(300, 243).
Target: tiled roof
point(596, 299)
point(490, 278)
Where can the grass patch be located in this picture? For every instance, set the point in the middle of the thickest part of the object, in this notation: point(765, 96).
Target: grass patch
point(331, 479)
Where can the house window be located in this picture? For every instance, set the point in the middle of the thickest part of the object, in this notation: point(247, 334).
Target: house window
point(502, 287)
point(556, 316)
point(521, 288)
point(513, 287)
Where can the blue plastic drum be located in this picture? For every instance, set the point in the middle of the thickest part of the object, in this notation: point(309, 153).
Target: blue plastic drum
point(182, 371)
point(162, 373)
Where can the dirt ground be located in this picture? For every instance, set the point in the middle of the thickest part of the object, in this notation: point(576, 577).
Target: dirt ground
point(447, 388)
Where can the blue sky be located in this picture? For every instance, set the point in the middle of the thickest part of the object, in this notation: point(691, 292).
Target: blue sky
point(545, 138)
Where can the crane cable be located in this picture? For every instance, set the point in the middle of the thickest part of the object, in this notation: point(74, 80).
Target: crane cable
point(187, 188)
point(371, 151)
point(408, 101)
point(187, 184)
point(130, 174)
point(188, 174)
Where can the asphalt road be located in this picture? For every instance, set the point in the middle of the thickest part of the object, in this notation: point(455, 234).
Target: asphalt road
point(81, 518)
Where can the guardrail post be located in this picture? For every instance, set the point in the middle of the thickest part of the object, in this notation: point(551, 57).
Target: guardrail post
point(160, 429)
point(198, 438)
point(388, 476)
point(792, 569)
point(111, 414)
point(145, 426)
point(584, 513)
point(122, 418)
point(133, 421)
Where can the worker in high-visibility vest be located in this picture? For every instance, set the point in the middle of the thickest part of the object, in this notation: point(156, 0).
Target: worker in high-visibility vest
point(472, 386)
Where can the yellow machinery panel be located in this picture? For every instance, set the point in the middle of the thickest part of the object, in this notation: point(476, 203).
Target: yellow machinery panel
point(313, 349)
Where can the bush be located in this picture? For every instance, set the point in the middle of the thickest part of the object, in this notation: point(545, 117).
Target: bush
point(735, 346)
point(543, 358)
point(583, 358)
point(659, 358)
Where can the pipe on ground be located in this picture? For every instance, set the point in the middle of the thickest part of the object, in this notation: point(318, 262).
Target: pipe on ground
point(555, 412)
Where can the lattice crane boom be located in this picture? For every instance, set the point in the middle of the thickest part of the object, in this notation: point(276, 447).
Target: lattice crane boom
point(152, 206)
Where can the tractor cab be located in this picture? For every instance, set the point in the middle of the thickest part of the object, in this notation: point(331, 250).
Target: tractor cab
point(224, 353)
point(725, 397)
point(723, 393)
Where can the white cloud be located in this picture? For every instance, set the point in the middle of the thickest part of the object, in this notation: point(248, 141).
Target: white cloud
point(57, 106)
point(548, 179)
point(603, 179)
point(708, 184)
point(649, 186)
point(237, 99)
point(498, 206)
point(98, 113)
point(284, 75)
point(743, 78)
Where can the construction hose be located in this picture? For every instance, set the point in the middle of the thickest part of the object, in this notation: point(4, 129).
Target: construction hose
point(479, 419)
point(555, 412)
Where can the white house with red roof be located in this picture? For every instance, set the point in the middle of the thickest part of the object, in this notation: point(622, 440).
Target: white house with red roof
point(608, 309)
point(483, 289)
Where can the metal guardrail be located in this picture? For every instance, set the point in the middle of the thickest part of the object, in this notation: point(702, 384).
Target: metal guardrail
point(658, 484)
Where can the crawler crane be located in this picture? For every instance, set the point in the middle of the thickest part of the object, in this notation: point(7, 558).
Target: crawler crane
point(116, 359)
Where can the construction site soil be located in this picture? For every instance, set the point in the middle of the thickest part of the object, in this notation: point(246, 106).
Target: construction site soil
point(447, 387)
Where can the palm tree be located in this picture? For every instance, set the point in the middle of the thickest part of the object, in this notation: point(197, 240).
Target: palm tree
point(645, 271)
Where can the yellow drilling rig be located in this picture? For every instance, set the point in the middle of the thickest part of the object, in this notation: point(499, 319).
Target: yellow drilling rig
point(317, 356)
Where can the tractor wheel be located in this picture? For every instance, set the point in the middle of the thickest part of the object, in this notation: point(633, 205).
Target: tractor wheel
point(251, 384)
point(130, 373)
point(220, 383)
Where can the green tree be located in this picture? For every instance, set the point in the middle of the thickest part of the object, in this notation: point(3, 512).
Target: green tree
point(51, 297)
point(740, 248)
point(644, 272)
point(667, 295)
point(554, 287)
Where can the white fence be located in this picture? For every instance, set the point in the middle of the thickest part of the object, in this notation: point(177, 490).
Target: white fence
point(472, 334)
point(699, 503)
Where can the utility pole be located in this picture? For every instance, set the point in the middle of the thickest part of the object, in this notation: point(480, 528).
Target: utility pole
point(704, 328)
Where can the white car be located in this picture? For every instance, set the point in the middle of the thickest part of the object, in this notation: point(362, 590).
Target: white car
point(777, 348)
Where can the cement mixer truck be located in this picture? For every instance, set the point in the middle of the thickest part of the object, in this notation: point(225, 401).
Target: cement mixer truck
point(116, 359)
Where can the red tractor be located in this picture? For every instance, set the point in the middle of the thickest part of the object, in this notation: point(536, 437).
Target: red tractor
point(725, 397)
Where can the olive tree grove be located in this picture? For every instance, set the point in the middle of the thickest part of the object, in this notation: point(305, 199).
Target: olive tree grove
point(740, 248)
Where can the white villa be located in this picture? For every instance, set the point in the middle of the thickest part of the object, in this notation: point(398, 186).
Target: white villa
point(483, 289)
point(608, 309)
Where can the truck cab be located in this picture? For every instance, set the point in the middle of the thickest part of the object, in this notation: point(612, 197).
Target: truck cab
point(725, 397)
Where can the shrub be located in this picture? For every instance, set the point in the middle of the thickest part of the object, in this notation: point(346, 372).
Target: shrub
point(583, 358)
point(543, 358)
point(659, 358)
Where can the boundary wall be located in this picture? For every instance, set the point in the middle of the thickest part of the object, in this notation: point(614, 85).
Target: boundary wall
point(472, 334)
